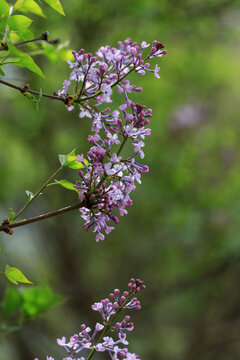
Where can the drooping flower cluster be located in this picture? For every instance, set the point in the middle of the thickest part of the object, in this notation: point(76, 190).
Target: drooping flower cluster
point(97, 340)
point(95, 76)
point(108, 178)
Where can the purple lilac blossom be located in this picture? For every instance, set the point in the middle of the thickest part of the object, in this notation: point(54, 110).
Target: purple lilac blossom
point(108, 179)
point(97, 340)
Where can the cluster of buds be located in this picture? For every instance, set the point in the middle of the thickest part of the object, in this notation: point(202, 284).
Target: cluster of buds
point(109, 177)
point(97, 340)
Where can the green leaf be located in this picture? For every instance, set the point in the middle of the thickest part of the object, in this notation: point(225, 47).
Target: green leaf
point(11, 213)
point(40, 96)
point(11, 302)
point(23, 35)
point(62, 158)
point(19, 23)
point(50, 52)
point(29, 96)
point(30, 195)
point(28, 5)
point(15, 275)
point(66, 184)
point(56, 5)
point(4, 12)
point(18, 4)
point(37, 300)
point(25, 60)
point(4, 8)
point(38, 101)
point(65, 54)
point(73, 163)
point(1, 72)
point(54, 54)
point(14, 61)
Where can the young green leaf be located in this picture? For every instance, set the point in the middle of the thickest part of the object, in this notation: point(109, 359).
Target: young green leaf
point(29, 96)
point(54, 54)
point(73, 163)
point(18, 4)
point(65, 54)
point(13, 61)
point(11, 213)
point(28, 5)
point(38, 101)
point(25, 60)
point(15, 275)
point(4, 13)
point(56, 5)
point(30, 195)
point(39, 299)
point(51, 52)
point(40, 96)
point(4, 8)
point(22, 35)
point(19, 23)
point(62, 158)
point(11, 302)
point(28, 62)
point(1, 72)
point(66, 184)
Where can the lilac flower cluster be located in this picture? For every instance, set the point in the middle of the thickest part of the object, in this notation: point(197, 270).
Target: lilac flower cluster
point(96, 340)
point(108, 177)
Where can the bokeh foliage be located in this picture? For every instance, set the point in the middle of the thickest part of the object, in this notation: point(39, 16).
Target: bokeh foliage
point(182, 233)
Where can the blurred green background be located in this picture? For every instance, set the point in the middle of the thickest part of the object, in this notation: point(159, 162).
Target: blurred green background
point(182, 234)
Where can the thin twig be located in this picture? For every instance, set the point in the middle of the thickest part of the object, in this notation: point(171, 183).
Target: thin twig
point(4, 47)
point(37, 193)
point(43, 216)
point(26, 90)
point(43, 37)
point(66, 99)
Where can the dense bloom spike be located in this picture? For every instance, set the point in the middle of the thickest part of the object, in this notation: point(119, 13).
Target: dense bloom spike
point(97, 340)
point(106, 183)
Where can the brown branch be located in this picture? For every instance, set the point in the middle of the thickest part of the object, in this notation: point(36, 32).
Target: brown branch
point(4, 46)
point(67, 99)
point(26, 90)
point(43, 37)
point(7, 226)
point(54, 41)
